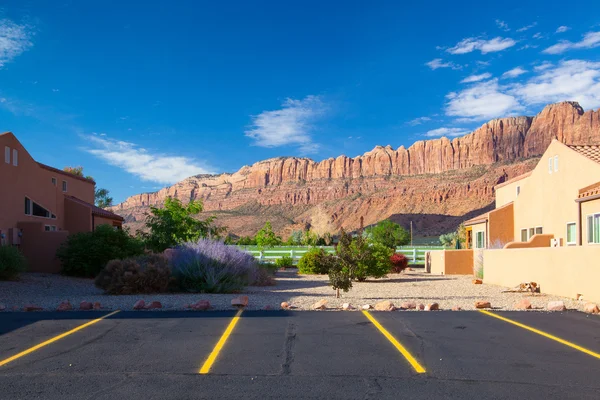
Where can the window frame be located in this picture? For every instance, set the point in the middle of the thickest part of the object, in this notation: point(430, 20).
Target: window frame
point(526, 231)
point(54, 181)
point(65, 186)
point(574, 242)
point(31, 202)
point(541, 230)
point(556, 163)
point(550, 165)
point(477, 240)
point(6, 155)
point(595, 237)
point(518, 189)
point(15, 157)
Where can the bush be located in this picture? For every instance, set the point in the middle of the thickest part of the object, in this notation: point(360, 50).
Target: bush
point(362, 258)
point(313, 261)
point(388, 233)
point(265, 275)
point(12, 262)
point(399, 263)
point(284, 262)
point(208, 266)
point(85, 254)
point(143, 274)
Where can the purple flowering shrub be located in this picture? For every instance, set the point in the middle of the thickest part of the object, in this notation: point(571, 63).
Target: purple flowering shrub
point(208, 266)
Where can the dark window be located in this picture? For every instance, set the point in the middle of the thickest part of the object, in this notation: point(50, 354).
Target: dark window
point(64, 188)
point(33, 208)
point(27, 206)
point(54, 181)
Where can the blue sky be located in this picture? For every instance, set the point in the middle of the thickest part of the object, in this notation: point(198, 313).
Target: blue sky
point(144, 94)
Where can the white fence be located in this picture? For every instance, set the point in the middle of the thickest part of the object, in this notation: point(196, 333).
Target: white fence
point(415, 255)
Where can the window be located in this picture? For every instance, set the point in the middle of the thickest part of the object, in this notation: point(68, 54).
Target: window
point(27, 206)
point(539, 230)
point(7, 155)
point(480, 240)
point(64, 186)
point(518, 190)
point(523, 235)
point(15, 157)
point(571, 233)
point(550, 165)
point(555, 163)
point(50, 228)
point(531, 232)
point(47, 228)
point(32, 208)
point(593, 228)
point(54, 181)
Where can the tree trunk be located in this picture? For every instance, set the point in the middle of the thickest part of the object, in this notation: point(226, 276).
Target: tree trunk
point(337, 293)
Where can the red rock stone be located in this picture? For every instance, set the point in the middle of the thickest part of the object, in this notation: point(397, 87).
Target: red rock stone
point(32, 307)
point(240, 301)
point(408, 269)
point(139, 305)
point(320, 305)
point(97, 306)
point(477, 281)
point(86, 305)
point(347, 306)
point(591, 308)
point(523, 304)
point(556, 306)
point(456, 308)
point(153, 305)
point(285, 305)
point(410, 305)
point(385, 306)
point(421, 307)
point(64, 306)
point(432, 307)
point(200, 305)
point(367, 307)
point(483, 304)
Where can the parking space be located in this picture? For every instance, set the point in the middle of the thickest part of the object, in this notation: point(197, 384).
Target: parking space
point(272, 354)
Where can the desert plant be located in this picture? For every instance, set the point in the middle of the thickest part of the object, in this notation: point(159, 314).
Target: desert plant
point(149, 273)
point(363, 258)
point(265, 275)
point(12, 262)
point(313, 262)
point(388, 233)
point(448, 239)
point(266, 238)
point(340, 275)
point(284, 262)
point(208, 266)
point(478, 264)
point(399, 263)
point(86, 253)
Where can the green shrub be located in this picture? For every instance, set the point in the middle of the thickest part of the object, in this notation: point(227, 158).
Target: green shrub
point(265, 275)
point(362, 258)
point(284, 262)
point(313, 261)
point(143, 274)
point(85, 254)
point(12, 262)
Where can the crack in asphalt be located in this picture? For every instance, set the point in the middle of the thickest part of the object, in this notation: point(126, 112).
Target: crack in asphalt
point(288, 348)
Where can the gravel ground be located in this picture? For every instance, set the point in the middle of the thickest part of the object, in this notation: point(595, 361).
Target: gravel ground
point(301, 291)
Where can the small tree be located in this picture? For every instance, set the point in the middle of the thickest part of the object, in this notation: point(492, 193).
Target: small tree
point(174, 224)
point(103, 200)
point(340, 276)
point(310, 238)
point(77, 171)
point(296, 238)
point(448, 239)
point(388, 233)
point(266, 238)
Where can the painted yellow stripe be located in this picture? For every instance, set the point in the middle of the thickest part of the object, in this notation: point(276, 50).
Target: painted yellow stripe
point(415, 364)
point(542, 333)
point(215, 353)
point(54, 339)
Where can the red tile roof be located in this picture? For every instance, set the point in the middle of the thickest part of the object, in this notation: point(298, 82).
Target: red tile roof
point(60, 171)
point(589, 191)
point(96, 210)
point(590, 151)
point(515, 179)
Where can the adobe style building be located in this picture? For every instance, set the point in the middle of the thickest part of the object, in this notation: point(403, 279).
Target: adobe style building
point(41, 205)
point(557, 204)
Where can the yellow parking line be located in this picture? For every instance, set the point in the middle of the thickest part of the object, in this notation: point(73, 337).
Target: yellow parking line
point(215, 353)
point(415, 364)
point(542, 333)
point(54, 339)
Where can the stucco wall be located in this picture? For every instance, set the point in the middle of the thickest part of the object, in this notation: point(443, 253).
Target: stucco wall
point(508, 193)
point(535, 241)
point(40, 247)
point(105, 221)
point(477, 228)
point(548, 200)
point(562, 271)
point(451, 262)
point(501, 226)
point(78, 218)
point(587, 208)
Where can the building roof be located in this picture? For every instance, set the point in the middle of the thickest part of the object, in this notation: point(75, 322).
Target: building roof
point(70, 175)
point(515, 179)
point(96, 210)
point(485, 216)
point(590, 151)
point(589, 191)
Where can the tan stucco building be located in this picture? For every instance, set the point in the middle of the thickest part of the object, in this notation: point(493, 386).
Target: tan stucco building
point(40, 205)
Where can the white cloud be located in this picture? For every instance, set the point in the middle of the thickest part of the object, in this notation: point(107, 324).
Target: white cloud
point(290, 125)
point(543, 66)
point(418, 121)
point(477, 78)
point(14, 40)
point(448, 132)
point(562, 29)
point(153, 167)
point(523, 29)
point(439, 63)
point(469, 45)
point(502, 25)
point(538, 35)
point(589, 41)
point(483, 100)
point(513, 73)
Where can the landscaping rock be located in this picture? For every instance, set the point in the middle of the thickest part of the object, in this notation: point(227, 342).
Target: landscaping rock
point(240, 301)
point(97, 306)
point(285, 305)
point(320, 305)
point(432, 307)
point(86, 305)
point(32, 307)
point(200, 305)
point(477, 281)
point(64, 306)
point(385, 306)
point(139, 305)
point(367, 307)
point(408, 269)
point(523, 304)
point(153, 305)
point(556, 306)
point(456, 308)
point(591, 308)
point(483, 304)
point(421, 307)
point(411, 305)
point(347, 306)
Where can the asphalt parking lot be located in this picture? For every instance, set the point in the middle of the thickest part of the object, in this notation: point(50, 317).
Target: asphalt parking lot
point(300, 355)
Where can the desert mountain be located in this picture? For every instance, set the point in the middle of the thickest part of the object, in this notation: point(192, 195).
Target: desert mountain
point(434, 183)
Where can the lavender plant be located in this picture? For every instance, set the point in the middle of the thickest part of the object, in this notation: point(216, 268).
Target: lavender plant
point(208, 266)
